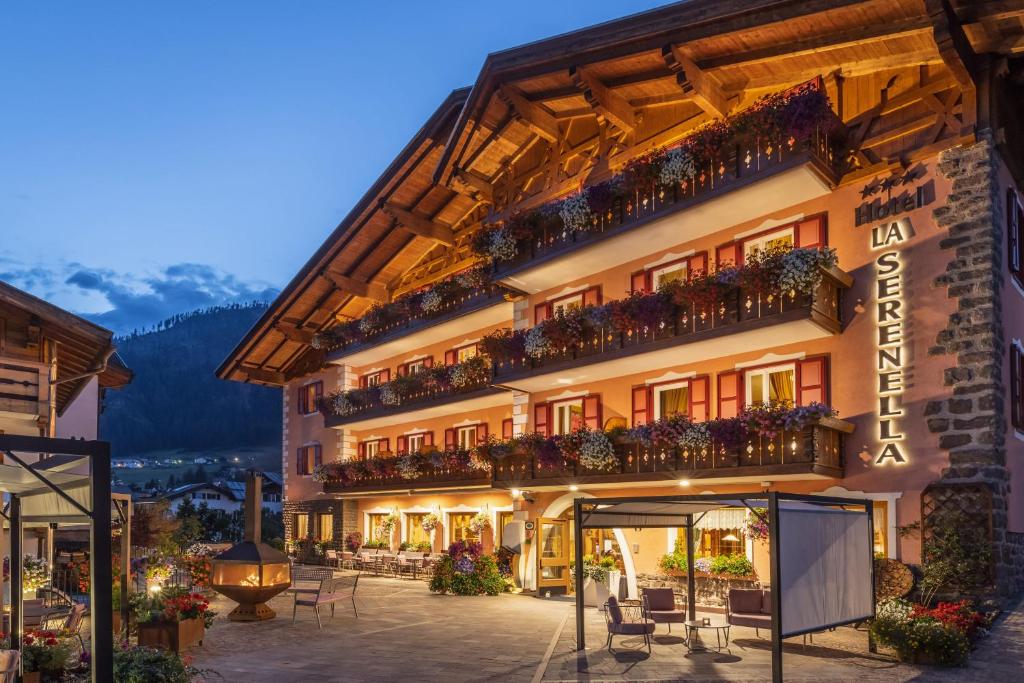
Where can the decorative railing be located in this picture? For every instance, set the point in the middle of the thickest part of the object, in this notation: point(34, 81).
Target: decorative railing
point(19, 388)
point(734, 310)
point(816, 446)
point(386, 474)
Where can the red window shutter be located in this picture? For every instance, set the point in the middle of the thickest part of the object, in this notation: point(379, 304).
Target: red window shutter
point(383, 445)
point(812, 381)
point(507, 430)
point(811, 233)
point(428, 362)
point(481, 432)
point(428, 438)
point(400, 444)
point(318, 456)
point(729, 389)
point(699, 387)
point(638, 282)
point(385, 376)
point(402, 370)
point(449, 357)
point(318, 393)
point(361, 449)
point(727, 255)
point(300, 400)
point(1013, 228)
point(541, 312)
point(300, 462)
point(540, 418)
point(641, 404)
point(449, 438)
point(363, 379)
point(592, 296)
point(697, 264)
point(592, 411)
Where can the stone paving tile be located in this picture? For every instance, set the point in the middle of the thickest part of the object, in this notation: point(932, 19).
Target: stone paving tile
point(405, 634)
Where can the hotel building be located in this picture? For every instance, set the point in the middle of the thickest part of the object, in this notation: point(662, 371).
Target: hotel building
point(675, 219)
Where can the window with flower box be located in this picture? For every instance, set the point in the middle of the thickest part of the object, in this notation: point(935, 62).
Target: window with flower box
point(308, 396)
point(306, 458)
point(800, 383)
point(562, 417)
point(414, 366)
point(414, 443)
point(301, 525)
point(414, 532)
point(650, 279)
point(591, 296)
point(372, 448)
point(460, 354)
point(465, 437)
point(1015, 240)
point(374, 526)
point(458, 527)
point(677, 397)
point(808, 233)
point(375, 379)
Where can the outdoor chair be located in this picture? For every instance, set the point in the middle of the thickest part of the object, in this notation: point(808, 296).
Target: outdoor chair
point(618, 626)
point(331, 558)
point(66, 623)
point(752, 607)
point(408, 563)
point(10, 661)
point(330, 592)
point(660, 607)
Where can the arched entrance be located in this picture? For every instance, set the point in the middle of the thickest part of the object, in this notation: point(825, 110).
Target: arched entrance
point(548, 560)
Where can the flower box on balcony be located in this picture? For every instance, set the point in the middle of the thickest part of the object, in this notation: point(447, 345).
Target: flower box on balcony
point(176, 636)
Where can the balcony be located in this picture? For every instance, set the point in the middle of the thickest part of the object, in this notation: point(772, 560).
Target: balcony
point(813, 452)
point(739, 321)
point(386, 478)
point(743, 184)
point(23, 391)
point(483, 307)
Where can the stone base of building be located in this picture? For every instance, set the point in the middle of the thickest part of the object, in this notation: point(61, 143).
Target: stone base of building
point(343, 518)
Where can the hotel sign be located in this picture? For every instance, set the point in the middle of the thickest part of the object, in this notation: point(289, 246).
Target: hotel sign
point(888, 237)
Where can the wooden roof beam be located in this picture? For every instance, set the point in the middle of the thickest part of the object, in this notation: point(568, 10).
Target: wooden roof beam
point(367, 290)
point(952, 42)
point(613, 108)
point(417, 225)
point(539, 119)
point(473, 185)
point(294, 333)
point(990, 10)
point(706, 90)
point(262, 375)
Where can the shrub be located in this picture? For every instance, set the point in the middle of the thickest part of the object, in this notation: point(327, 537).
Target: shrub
point(465, 570)
point(737, 565)
point(150, 665)
point(353, 541)
point(941, 635)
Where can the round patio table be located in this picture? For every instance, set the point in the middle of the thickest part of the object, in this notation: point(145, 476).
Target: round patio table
point(693, 629)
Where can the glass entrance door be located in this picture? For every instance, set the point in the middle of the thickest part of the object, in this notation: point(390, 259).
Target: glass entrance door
point(553, 558)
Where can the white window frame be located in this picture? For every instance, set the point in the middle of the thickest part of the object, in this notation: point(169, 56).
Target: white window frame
point(562, 305)
point(464, 434)
point(375, 443)
point(758, 243)
point(420, 437)
point(558, 406)
point(657, 389)
point(464, 353)
point(765, 372)
point(657, 273)
point(414, 366)
point(373, 379)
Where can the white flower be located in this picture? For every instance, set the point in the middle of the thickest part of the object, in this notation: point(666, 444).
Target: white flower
point(318, 341)
point(801, 269)
point(342, 406)
point(366, 324)
point(502, 245)
point(431, 302)
point(575, 212)
point(408, 467)
point(696, 437)
point(596, 451)
point(320, 473)
point(677, 167)
point(389, 395)
point(537, 345)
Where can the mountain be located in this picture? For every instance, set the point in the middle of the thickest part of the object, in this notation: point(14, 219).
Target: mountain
point(175, 401)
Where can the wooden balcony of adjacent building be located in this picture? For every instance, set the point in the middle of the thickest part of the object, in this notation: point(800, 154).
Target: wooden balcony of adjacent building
point(24, 393)
point(744, 184)
point(815, 452)
point(488, 306)
point(740, 321)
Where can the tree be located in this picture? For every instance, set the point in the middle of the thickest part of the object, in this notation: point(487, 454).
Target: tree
point(153, 526)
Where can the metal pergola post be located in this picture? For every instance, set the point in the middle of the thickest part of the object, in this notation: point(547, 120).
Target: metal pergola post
point(773, 558)
point(691, 580)
point(17, 561)
point(577, 508)
point(100, 588)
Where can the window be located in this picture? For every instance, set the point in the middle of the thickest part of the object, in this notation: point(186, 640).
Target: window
point(1015, 241)
point(591, 296)
point(466, 437)
point(768, 241)
point(672, 272)
point(301, 526)
point(880, 518)
point(504, 517)
point(307, 458)
point(458, 527)
point(414, 366)
point(374, 521)
point(567, 304)
point(714, 542)
point(567, 416)
point(671, 399)
point(325, 527)
point(309, 395)
point(414, 532)
point(776, 384)
point(414, 442)
point(373, 379)
point(464, 353)
point(1016, 386)
point(371, 448)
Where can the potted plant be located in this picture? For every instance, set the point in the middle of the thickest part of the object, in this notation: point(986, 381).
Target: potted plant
point(174, 619)
point(44, 656)
point(139, 664)
point(595, 580)
point(33, 575)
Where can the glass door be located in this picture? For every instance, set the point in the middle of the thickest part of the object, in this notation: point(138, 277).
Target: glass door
point(553, 558)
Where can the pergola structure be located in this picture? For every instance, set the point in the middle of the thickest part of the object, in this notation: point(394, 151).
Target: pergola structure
point(820, 552)
point(68, 485)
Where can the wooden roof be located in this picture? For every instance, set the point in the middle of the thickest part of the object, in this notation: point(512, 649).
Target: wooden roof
point(83, 347)
point(544, 118)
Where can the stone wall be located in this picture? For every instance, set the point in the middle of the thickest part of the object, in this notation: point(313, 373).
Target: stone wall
point(971, 423)
point(336, 508)
point(712, 591)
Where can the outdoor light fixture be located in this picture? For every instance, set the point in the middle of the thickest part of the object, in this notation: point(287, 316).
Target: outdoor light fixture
point(731, 538)
point(515, 493)
point(251, 572)
point(684, 482)
point(574, 487)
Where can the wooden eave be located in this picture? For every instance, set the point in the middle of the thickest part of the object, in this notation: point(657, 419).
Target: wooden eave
point(369, 248)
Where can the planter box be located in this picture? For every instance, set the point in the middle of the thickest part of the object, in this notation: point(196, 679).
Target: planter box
point(594, 594)
point(176, 636)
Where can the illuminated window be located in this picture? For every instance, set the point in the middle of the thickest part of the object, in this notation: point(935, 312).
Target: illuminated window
point(374, 522)
point(464, 353)
point(466, 437)
point(567, 304)
point(769, 241)
point(771, 385)
point(307, 458)
point(301, 526)
point(567, 416)
point(414, 532)
point(309, 395)
point(881, 524)
point(672, 272)
point(414, 442)
point(671, 399)
point(325, 527)
point(371, 449)
point(373, 379)
point(458, 526)
point(414, 366)
point(504, 517)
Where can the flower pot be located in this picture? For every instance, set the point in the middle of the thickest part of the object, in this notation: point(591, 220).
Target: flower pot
point(176, 636)
point(594, 594)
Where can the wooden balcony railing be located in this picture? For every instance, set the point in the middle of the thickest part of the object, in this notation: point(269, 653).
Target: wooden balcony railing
point(434, 477)
point(817, 448)
point(735, 312)
point(374, 406)
point(735, 167)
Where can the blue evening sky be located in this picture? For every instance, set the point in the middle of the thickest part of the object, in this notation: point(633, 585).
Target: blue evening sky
point(157, 157)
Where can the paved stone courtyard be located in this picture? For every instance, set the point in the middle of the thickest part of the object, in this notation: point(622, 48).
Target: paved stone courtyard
point(404, 633)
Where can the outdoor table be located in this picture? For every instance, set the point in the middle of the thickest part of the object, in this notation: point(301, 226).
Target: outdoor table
point(693, 633)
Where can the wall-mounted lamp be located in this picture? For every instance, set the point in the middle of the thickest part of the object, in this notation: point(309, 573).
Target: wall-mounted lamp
point(864, 455)
point(684, 482)
point(859, 306)
point(574, 487)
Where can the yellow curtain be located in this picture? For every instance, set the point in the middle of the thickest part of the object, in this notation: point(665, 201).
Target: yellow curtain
point(782, 386)
point(675, 401)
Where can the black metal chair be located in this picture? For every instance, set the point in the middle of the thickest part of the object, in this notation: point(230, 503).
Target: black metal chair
point(618, 626)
